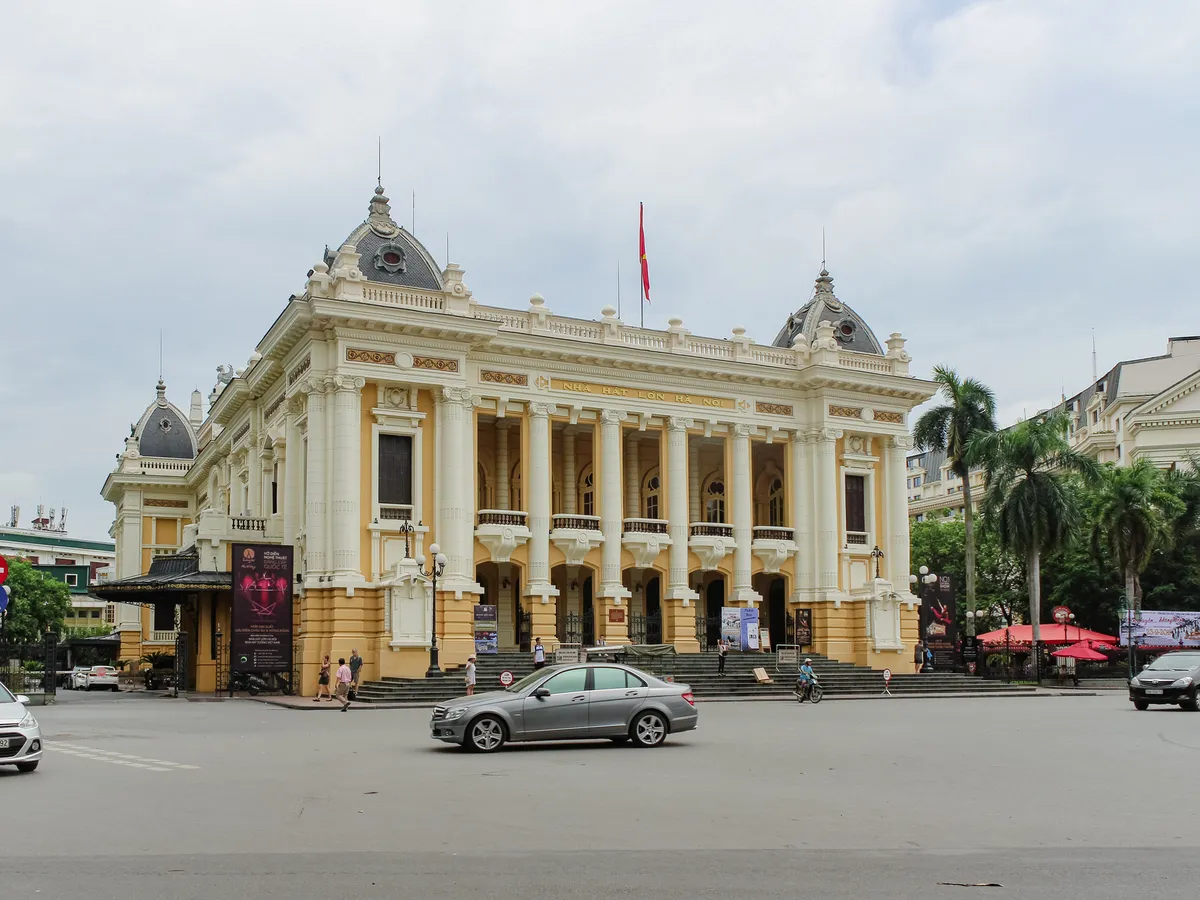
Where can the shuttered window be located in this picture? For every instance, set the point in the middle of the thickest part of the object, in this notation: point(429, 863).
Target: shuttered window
point(856, 503)
point(395, 468)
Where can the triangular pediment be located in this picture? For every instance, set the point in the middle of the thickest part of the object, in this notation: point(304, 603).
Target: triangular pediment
point(1181, 398)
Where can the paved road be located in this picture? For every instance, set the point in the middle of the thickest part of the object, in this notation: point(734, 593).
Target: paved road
point(1054, 797)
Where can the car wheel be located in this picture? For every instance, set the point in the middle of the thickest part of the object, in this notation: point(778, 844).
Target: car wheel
point(1141, 705)
point(1190, 704)
point(649, 729)
point(484, 735)
point(27, 767)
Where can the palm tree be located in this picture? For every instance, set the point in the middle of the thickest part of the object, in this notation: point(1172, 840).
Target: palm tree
point(970, 409)
point(1135, 515)
point(1030, 500)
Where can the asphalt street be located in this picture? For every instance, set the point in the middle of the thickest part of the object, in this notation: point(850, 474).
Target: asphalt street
point(1049, 797)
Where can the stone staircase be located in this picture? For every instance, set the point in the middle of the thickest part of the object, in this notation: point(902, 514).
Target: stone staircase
point(699, 670)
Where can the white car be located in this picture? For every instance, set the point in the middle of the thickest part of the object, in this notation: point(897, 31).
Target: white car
point(20, 737)
point(77, 680)
point(102, 677)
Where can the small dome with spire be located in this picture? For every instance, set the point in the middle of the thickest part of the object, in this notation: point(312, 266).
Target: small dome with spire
point(387, 252)
point(849, 328)
point(163, 430)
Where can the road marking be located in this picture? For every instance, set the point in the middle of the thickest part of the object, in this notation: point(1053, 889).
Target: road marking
point(119, 759)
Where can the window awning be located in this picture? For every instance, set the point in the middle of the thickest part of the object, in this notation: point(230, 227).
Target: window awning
point(170, 579)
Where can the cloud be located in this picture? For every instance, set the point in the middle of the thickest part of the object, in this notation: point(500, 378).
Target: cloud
point(994, 179)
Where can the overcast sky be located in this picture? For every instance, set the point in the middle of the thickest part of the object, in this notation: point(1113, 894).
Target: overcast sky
point(995, 179)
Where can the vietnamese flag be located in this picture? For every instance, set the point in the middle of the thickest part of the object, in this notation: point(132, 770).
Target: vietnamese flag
point(642, 252)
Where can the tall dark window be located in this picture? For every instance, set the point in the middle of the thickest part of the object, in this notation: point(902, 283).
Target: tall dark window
point(164, 617)
point(856, 503)
point(395, 469)
point(275, 489)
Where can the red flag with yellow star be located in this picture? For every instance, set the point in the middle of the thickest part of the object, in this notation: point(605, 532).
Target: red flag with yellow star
point(642, 252)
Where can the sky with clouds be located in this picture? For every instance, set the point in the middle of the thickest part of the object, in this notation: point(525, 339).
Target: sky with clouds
point(995, 179)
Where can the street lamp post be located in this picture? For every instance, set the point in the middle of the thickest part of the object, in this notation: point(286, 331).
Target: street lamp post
point(437, 565)
point(926, 577)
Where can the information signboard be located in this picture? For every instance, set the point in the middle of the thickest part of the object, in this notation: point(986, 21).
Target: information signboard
point(262, 608)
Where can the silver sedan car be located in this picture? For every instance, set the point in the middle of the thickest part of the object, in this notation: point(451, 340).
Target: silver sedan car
point(574, 702)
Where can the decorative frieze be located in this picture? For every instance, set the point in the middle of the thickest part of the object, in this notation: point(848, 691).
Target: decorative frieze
point(846, 412)
point(167, 504)
point(298, 370)
point(375, 357)
point(274, 407)
point(435, 363)
point(241, 433)
point(513, 378)
point(772, 409)
point(893, 418)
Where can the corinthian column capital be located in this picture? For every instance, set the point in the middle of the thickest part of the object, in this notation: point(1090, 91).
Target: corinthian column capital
point(612, 416)
point(678, 423)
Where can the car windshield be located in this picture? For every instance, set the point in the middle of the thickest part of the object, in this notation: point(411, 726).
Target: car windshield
point(517, 686)
point(1175, 662)
point(6, 696)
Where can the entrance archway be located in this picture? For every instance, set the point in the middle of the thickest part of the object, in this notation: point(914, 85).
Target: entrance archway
point(714, 599)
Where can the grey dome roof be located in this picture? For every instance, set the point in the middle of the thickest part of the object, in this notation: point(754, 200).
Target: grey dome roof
point(849, 328)
point(387, 253)
point(164, 431)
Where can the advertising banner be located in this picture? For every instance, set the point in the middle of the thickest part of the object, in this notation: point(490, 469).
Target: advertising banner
point(1158, 628)
point(262, 608)
point(486, 629)
point(939, 622)
point(804, 627)
point(749, 629)
point(731, 626)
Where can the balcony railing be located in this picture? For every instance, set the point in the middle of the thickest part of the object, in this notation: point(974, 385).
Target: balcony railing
point(163, 637)
point(585, 523)
point(646, 526)
point(772, 533)
point(395, 512)
point(710, 529)
point(856, 539)
point(502, 517)
point(243, 524)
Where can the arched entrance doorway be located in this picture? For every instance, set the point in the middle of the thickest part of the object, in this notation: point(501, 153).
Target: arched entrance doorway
point(773, 611)
point(654, 627)
point(714, 599)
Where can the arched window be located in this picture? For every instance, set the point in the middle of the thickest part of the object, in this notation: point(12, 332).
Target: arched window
point(650, 493)
point(587, 493)
point(483, 488)
point(775, 503)
point(714, 500)
point(514, 487)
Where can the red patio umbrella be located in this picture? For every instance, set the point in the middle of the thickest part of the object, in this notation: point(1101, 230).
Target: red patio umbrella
point(1051, 634)
point(1080, 651)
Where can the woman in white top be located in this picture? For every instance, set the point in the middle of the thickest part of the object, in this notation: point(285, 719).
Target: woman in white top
point(470, 674)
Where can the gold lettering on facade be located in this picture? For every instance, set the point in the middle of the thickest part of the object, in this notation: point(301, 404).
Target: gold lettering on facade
point(169, 504)
point(610, 390)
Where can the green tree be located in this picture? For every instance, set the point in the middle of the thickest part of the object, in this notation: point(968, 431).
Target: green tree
point(969, 410)
point(1029, 499)
point(940, 544)
point(1135, 515)
point(36, 604)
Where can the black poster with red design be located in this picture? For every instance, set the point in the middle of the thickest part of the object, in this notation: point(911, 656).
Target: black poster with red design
point(262, 608)
point(939, 622)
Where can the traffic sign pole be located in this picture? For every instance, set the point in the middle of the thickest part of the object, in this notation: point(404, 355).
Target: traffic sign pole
point(887, 680)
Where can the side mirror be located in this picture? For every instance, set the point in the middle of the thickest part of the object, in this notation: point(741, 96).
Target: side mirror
point(541, 693)
point(22, 699)
point(1145, 666)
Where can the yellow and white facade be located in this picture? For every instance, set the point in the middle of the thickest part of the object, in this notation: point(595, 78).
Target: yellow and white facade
point(568, 469)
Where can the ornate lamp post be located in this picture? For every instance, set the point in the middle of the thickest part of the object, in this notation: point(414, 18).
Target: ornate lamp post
point(877, 555)
point(926, 577)
point(437, 565)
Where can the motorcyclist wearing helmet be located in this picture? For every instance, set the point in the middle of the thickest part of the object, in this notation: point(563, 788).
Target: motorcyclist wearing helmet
point(806, 679)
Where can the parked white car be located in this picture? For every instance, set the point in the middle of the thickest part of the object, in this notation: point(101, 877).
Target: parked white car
point(20, 736)
point(77, 680)
point(102, 678)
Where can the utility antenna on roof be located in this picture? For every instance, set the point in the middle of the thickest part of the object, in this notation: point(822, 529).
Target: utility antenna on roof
point(1095, 375)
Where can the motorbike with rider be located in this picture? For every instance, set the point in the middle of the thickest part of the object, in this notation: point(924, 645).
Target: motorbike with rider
point(808, 686)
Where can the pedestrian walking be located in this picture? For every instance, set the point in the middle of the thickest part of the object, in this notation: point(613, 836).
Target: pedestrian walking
point(722, 652)
point(356, 664)
point(539, 654)
point(470, 676)
point(928, 660)
point(919, 656)
point(323, 682)
point(343, 683)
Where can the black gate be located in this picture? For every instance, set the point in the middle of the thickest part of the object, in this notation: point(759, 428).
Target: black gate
point(181, 663)
point(646, 629)
point(637, 629)
point(30, 668)
point(708, 631)
point(572, 629)
point(588, 620)
point(789, 628)
point(524, 629)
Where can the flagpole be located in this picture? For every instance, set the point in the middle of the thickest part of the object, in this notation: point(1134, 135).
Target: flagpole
point(618, 289)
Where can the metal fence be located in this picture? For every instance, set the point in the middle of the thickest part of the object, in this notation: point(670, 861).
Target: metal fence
point(30, 668)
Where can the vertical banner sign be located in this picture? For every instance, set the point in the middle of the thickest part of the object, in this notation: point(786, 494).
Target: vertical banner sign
point(804, 627)
point(939, 622)
point(486, 629)
point(731, 626)
point(749, 633)
point(262, 608)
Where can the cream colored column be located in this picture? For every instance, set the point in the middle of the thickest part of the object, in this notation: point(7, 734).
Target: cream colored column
point(254, 506)
point(632, 477)
point(538, 493)
point(677, 509)
point(346, 520)
point(610, 505)
point(898, 559)
point(693, 481)
point(801, 493)
point(570, 493)
point(317, 561)
point(826, 480)
point(293, 472)
point(502, 498)
point(454, 517)
point(743, 516)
